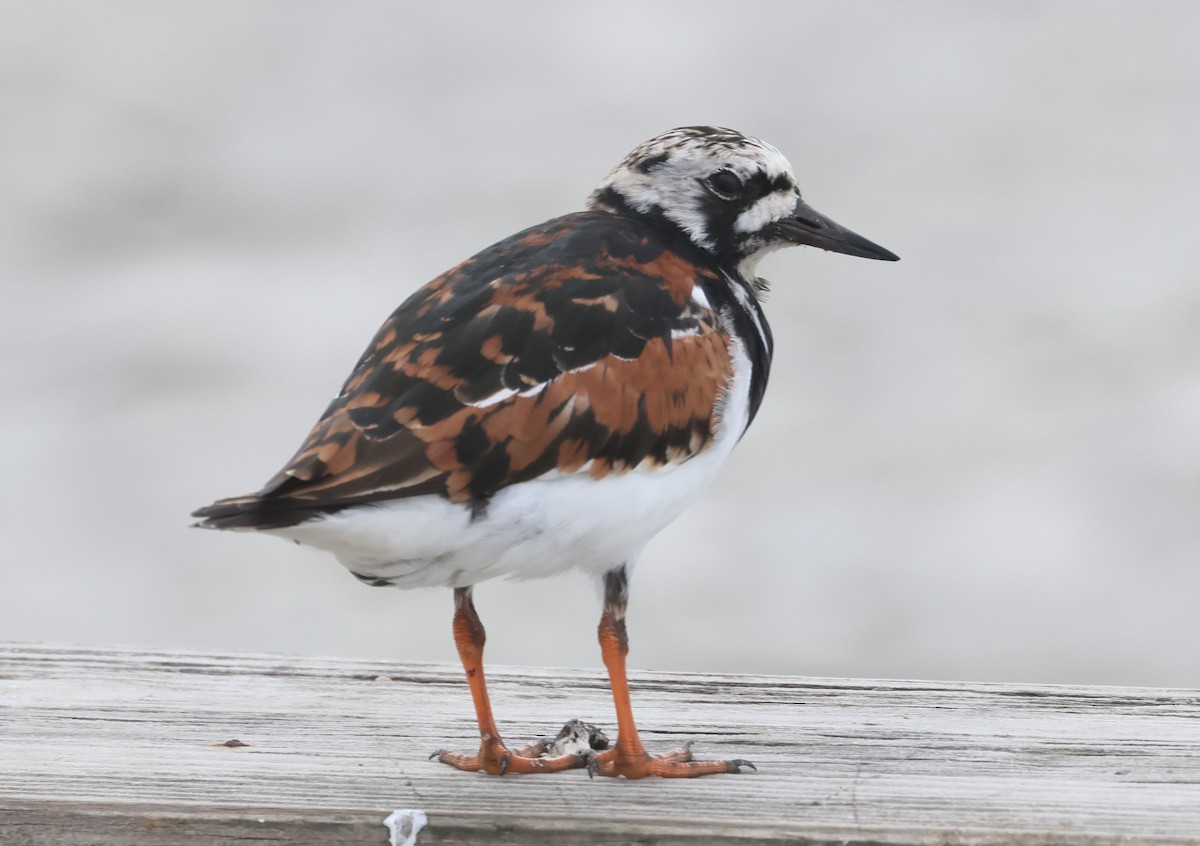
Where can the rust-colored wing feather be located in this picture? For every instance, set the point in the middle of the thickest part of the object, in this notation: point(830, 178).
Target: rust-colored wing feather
point(575, 346)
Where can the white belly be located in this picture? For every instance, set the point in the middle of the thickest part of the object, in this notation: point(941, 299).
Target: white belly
point(532, 529)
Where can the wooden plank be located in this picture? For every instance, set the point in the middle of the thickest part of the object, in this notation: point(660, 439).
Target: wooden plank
point(122, 746)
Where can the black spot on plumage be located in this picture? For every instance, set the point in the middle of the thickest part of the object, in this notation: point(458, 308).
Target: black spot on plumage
point(626, 344)
point(537, 361)
point(650, 301)
point(582, 335)
point(472, 442)
point(485, 458)
point(430, 403)
point(515, 326)
point(489, 473)
point(631, 446)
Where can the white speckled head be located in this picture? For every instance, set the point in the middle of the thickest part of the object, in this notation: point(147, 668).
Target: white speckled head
point(723, 189)
point(729, 194)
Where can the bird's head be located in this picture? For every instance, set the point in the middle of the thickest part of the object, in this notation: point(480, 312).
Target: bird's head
point(732, 195)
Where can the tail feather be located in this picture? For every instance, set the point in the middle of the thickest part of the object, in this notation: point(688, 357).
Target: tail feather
point(287, 501)
point(257, 512)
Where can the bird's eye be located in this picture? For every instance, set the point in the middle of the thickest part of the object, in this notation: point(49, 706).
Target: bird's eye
point(725, 184)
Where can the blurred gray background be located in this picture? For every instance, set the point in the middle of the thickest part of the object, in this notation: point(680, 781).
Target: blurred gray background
point(980, 463)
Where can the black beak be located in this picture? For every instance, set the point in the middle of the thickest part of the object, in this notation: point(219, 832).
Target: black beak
point(806, 225)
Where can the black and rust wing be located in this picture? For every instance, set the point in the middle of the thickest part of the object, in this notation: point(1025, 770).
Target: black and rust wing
point(575, 346)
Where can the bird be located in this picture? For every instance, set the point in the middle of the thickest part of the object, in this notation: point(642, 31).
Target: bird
point(553, 402)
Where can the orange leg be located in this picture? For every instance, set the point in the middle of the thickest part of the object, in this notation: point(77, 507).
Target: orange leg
point(629, 758)
point(493, 757)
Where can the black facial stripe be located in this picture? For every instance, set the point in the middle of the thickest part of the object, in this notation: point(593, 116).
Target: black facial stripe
point(782, 182)
point(760, 185)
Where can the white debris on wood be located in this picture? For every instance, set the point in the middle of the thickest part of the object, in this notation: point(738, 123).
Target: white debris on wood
point(404, 824)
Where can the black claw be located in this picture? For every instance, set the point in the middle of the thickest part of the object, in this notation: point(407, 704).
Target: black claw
point(504, 765)
point(439, 753)
point(738, 763)
point(591, 764)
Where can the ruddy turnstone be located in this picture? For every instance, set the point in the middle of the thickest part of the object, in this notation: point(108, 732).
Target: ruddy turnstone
point(554, 402)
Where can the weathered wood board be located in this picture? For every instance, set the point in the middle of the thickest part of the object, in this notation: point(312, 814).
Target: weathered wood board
point(104, 745)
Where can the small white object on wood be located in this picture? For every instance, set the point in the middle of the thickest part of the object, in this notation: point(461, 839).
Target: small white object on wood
point(122, 746)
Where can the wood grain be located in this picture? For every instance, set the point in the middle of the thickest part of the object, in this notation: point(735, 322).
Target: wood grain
point(105, 745)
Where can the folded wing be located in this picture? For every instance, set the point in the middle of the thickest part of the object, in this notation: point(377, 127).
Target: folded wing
point(582, 345)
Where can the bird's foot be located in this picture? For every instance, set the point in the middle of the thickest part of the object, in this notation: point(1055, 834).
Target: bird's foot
point(574, 747)
point(675, 764)
point(494, 758)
